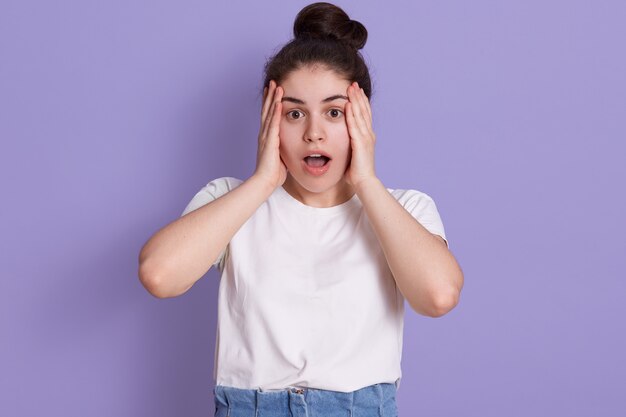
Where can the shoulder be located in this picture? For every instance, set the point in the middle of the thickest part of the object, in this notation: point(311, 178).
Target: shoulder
point(211, 191)
point(220, 186)
point(423, 208)
point(412, 199)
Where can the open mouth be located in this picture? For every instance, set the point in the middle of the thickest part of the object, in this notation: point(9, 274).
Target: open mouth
point(316, 160)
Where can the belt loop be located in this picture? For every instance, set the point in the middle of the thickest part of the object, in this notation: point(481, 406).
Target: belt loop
point(352, 402)
point(381, 399)
point(297, 401)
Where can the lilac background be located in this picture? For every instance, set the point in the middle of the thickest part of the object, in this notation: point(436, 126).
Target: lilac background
point(511, 115)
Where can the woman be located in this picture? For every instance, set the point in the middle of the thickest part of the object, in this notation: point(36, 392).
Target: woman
point(317, 256)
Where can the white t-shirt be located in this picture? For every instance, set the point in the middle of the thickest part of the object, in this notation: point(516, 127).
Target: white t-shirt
point(306, 298)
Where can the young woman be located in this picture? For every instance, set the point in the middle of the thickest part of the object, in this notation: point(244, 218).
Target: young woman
point(317, 255)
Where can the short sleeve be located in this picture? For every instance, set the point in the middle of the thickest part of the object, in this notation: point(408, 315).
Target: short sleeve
point(423, 208)
point(212, 191)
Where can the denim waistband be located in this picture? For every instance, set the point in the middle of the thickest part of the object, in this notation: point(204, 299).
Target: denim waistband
point(377, 400)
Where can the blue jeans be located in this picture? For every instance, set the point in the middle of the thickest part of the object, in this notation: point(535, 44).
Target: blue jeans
point(378, 400)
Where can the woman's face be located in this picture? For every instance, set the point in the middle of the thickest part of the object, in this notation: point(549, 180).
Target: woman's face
point(313, 123)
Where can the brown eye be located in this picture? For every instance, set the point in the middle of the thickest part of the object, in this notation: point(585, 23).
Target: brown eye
point(335, 113)
point(295, 114)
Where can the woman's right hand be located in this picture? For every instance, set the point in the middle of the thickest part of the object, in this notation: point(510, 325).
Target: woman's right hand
point(269, 166)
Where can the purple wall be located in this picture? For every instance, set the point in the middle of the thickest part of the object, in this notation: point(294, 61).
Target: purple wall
point(511, 115)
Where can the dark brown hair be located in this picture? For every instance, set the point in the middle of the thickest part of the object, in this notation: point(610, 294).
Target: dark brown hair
point(325, 35)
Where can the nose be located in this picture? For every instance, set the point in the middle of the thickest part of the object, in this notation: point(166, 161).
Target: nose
point(314, 131)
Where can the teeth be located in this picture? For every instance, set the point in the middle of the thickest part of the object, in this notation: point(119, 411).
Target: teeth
point(315, 155)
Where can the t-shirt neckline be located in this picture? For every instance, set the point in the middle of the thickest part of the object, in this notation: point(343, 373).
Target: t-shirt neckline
point(298, 205)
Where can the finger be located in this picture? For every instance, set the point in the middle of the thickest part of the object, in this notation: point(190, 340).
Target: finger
point(274, 114)
point(367, 104)
point(356, 109)
point(267, 100)
point(362, 106)
point(272, 134)
point(266, 124)
point(368, 112)
point(265, 89)
point(280, 92)
point(275, 120)
point(352, 127)
point(267, 104)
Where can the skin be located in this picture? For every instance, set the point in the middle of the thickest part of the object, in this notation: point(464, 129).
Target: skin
point(425, 271)
point(310, 122)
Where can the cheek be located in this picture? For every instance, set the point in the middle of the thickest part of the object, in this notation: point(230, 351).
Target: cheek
point(340, 132)
point(282, 126)
point(288, 131)
point(288, 134)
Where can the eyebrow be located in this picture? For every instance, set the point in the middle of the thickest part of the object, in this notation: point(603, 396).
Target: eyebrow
point(326, 100)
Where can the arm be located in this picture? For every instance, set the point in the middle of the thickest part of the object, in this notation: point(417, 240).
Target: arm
point(179, 254)
point(425, 271)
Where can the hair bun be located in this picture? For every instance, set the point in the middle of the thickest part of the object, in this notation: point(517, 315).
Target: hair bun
point(327, 21)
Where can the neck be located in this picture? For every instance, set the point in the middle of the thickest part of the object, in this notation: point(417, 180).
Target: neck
point(338, 194)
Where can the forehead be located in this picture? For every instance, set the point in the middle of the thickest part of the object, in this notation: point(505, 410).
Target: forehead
point(314, 83)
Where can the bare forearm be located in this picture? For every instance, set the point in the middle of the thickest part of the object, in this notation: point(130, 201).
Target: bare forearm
point(179, 254)
point(425, 271)
point(184, 250)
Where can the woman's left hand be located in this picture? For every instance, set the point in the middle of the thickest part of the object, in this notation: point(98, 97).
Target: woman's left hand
point(362, 137)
